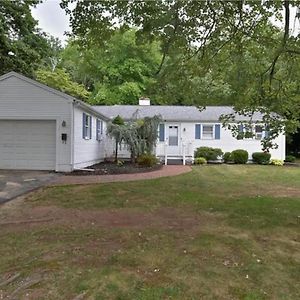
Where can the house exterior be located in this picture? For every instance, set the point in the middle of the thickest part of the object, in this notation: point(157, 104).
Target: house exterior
point(185, 128)
point(44, 129)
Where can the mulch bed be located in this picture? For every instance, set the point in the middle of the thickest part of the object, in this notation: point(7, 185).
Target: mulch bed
point(110, 168)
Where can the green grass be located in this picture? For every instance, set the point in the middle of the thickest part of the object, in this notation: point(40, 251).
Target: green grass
point(219, 232)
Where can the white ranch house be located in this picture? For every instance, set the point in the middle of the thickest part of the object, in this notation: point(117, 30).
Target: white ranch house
point(44, 129)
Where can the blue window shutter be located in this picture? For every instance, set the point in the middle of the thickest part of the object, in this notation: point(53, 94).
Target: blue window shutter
point(83, 126)
point(161, 132)
point(241, 128)
point(101, 127)
point(217, 131)
point(91, 126)
point(197, 131)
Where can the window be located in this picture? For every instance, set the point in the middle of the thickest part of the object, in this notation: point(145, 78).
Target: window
point(99, 130)
point(87, 126)
point(173, 135)
point(208, 132)
point(258, 132)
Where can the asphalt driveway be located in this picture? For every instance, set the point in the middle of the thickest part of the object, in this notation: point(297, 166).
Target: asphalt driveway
point(15, 183)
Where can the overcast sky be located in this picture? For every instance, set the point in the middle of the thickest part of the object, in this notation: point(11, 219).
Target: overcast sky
point(53, 20)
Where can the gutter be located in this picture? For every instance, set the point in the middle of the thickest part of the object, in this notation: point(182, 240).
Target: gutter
point(87, 107)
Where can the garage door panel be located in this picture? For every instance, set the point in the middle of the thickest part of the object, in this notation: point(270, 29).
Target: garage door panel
point(27, 144)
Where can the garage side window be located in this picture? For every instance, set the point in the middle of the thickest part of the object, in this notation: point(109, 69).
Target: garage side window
point(99, 130)
point(86, 126)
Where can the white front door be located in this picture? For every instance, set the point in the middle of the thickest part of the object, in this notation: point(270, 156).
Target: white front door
point(173, 147)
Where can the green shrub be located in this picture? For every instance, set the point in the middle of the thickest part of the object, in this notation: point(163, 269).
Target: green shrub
point(239, 156)
point(227, 157)
point(290, 158)
point(261, 158)
point(276, 162)
point(200, 161)
point(147, 160)
point(208, 153)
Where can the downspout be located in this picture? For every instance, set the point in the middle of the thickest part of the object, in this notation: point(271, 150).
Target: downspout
point(72, 135)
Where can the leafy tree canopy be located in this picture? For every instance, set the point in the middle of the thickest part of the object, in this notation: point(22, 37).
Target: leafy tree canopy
point(61, 80)
point(22, 45)
point(118, 71)
point(228, 51)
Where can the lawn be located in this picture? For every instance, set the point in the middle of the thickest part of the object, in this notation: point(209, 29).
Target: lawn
point(219, 232)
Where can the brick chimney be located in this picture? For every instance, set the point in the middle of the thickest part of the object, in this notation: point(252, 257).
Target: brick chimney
point(144, 101)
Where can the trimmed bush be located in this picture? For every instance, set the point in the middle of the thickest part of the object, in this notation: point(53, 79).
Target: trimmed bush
point(290, 158)
point(227, 157)
point(276, 162)
point(147, 160)
point(208, 153)
point(239, 156)
point(261, 158)
point(200, 161)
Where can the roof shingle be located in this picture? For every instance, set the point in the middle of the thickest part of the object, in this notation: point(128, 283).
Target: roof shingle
point(172, 113)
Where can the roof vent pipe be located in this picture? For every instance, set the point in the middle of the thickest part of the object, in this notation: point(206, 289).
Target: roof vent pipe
point(144, 101)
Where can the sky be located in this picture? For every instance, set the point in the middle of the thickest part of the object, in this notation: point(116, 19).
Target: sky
point(53, 20)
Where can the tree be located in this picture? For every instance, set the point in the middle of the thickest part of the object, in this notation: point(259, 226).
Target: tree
point(212, 32)
point(61, 80)
point(114, 130)
point(139, 134)
point(53, 57)
point(22, 44)
point(117, 72)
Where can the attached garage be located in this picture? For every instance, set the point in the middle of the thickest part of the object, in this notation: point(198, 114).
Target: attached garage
point(41, 128)
point(28, 144)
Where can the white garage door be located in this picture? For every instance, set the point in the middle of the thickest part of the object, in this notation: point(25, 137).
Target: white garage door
point(27, 145)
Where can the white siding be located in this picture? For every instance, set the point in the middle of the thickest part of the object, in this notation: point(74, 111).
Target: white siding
point(87, 151)
point(226, 142)
point(22, 100)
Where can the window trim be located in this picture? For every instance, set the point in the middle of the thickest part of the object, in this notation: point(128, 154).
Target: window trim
point(254, 134)
point(87, 127)
point(213, 131)
point(261, 133)
point(99, 129)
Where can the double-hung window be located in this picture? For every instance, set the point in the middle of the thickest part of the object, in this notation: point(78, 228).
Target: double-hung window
point(258, 132)
point(99, 129)
point(207, 132)
point(86, 126)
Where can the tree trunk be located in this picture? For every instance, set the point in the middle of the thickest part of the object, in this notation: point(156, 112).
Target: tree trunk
point(116, 153)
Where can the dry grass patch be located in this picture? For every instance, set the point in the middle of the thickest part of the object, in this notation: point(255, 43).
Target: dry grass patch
point(203, 235)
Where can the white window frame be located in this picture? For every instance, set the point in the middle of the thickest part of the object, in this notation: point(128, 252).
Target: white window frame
point(87, 126)
point(99, 129)
point(256, 137)
point(213, 131)
point(254, 134)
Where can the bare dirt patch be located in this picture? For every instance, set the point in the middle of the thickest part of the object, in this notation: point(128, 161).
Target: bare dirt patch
point(166, 218)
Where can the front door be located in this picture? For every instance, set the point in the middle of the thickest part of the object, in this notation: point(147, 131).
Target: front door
point(173, 140)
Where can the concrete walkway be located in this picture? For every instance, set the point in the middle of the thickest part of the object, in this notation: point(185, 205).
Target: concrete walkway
point(165, 171)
